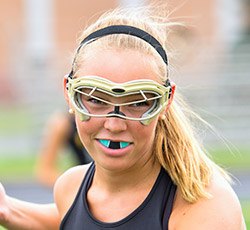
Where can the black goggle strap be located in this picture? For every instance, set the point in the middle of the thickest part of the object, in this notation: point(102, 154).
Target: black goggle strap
point(167, 83)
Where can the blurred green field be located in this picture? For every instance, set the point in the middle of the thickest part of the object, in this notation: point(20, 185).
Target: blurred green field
point(246, 211)
point(23, 168)
point(232, 159)
point(13, 165)
point(14, 120)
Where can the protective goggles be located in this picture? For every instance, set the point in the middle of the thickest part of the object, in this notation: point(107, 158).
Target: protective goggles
point(137, 100)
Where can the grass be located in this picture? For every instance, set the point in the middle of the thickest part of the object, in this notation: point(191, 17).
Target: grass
point(22, 168)
point(236, 160)
point(245, 204)
point(16, 167)
point(14, 120)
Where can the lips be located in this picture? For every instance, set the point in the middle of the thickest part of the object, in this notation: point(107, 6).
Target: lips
point(113, 144)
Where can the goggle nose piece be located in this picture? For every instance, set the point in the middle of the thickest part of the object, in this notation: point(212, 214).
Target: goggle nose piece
point(117, 112)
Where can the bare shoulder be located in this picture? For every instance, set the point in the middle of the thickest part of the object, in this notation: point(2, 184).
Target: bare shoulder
point(222, 211)
point(67, 186)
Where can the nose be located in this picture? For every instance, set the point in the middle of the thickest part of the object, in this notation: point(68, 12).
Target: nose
point(115, 124)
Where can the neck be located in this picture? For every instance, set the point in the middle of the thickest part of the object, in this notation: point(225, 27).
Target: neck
point(134, 177)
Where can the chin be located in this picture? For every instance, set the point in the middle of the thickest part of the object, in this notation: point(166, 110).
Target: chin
point(115, 165)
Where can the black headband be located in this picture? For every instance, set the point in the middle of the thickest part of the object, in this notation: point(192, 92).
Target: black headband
point(130, 30)
point(124, 29)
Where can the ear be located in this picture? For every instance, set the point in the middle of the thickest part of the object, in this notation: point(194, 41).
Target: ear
point(65, 80)
point(173, 87)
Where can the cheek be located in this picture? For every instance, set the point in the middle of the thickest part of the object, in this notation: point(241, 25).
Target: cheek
point(145, 133)
point(86, 129)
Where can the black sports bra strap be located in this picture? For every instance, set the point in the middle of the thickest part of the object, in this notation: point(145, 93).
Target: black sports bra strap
point(169, 207)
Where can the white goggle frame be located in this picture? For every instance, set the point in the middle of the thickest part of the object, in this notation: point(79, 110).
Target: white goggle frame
point(143, 87)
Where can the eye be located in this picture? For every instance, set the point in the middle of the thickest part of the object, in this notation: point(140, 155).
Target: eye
point(140, 104)
point(96, 101)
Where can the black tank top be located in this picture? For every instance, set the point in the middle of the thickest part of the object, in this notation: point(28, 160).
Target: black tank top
point(152, 214)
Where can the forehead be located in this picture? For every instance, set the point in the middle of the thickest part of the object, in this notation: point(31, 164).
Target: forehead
point(118, 65)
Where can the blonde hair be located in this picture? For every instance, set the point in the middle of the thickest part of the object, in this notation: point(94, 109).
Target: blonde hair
point(176, 146)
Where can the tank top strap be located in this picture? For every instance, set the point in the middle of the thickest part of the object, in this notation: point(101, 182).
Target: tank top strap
point(169, 206)
point(85, 183)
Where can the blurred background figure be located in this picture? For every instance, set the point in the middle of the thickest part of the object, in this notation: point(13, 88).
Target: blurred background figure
point(60, 134)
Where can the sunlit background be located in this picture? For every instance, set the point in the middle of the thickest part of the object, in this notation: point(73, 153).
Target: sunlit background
point(210, 64)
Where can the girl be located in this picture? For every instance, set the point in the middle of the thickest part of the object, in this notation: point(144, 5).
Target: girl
point(149, 171)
